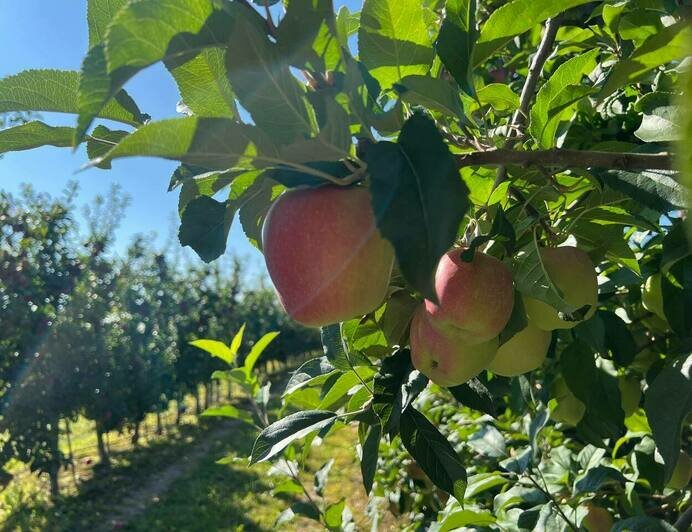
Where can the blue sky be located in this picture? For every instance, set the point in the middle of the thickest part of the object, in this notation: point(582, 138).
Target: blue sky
point(53, 34)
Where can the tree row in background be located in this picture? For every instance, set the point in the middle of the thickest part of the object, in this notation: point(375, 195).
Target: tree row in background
point(84, 332)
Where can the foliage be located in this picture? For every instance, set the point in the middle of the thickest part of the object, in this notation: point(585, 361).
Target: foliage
point(508, 126)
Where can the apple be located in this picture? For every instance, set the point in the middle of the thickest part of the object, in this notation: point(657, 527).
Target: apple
point(682, 472)
point(475, 299)
point(523, 352)
point(630, 394)
point(568, 408)
point(597, 520)
point(573, 273)
point(444, 356)
point(652, 298)
point(325, 254)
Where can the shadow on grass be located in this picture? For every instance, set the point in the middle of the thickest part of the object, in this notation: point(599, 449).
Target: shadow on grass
point(215, 488)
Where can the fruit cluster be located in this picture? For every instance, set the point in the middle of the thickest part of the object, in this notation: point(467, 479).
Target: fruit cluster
point(329, 263)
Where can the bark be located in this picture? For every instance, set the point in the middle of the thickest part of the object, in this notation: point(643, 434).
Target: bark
point(104, 459)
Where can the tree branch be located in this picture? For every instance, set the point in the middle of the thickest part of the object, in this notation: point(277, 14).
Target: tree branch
point(684, 521)
point(529, 88)
point(566, 158)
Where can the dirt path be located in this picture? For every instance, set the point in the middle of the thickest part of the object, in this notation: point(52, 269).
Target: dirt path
point(139, 499)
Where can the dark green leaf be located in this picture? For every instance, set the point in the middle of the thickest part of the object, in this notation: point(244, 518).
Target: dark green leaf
point(99, 16)
point(474, 395)
point(277, 436)
point(334, 349)
point(435, 455)
point(33, 135)
point(598, 391)
point(322, 476)
point(434, 93)
point(204, 226)
point(368, 461)
point(393, 39)
point(657, 189)
point(101, 141)
point(316, 367)
point(667, 403)
point(597, 477)
point(455, 41)
point(676, 288)
point(618, 338)
point(488, 441)
point(418, 197)
point(661, 125)
point(642, 524)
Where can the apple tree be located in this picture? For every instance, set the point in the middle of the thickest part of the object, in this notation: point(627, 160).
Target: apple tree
point(481, 203)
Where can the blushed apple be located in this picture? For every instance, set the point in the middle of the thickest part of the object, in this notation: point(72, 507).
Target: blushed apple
point(523, 352)
point(444, 356)
point(325, 254)
point(475, 299)
point(597, 519)
point(574, 274)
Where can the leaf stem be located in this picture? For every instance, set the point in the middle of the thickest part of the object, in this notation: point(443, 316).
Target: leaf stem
point(550, 497)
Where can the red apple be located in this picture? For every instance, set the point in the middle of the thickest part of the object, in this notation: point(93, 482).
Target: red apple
point(475, 298)
point(325, 255)
point(523, 352)
point(573, 273)
point(597, 519)
point(444, 356)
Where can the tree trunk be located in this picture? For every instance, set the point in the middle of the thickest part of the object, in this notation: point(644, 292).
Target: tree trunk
point(159, 427)
point(207, 395)
point(135, 434)
point(229, 390)
point(54, 482)
point(178, 408)
point(103, 453)
point(68, 434)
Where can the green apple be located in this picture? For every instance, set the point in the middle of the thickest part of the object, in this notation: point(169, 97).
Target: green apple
point(573, 273)
point(443, 356)
point(475, 299)
point(568, 408)
point(630, 394)
point(523, 352)
point(652, 298)
point(325, 255)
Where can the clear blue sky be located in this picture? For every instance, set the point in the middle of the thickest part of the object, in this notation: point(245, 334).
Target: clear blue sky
point(53, 34)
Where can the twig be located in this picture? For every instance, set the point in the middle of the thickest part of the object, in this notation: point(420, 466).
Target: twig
point(684, 521)
point(550, 497)
point(518, 119)
point(566, 158)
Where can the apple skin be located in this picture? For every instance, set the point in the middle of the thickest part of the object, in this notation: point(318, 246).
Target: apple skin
point(523, 352)
point(475, 298)
point(445, 358)
point(597, 520)
point(573, 272)
point(325, 254)
point(569, 409)
point(630, 394)
point(652, 297)
point(682, 472)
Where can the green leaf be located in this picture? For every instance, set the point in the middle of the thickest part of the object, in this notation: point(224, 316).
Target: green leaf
point(209, 183)
point(474, 395)
point(393, 39)
point(321, 477)
point(498, 96)
point(667, 402)
point(256, 351)
point(661, 125)
point(99, 16)
point(336, 395)
point(597, 477)
point(642, 523)
point(141, 34)
point(417, 180)
point(33, 135)
point(676, 287)
point(307, 36)
point(334, 348)
point(461, 519)
point(263, 82)
point(101, 141)
point(228, 411)
point(204, 86)
point(347, 24)
point(312, 369)
point(204, 226)
point(557, 98)
point(368, 460)
point(488, 441)
point(665, 46)
point(277, 436)
point(434, 93)
point(657, 189)
point(217, 349)
point(214, 143)
point(257, 200)
point(333, 515)
point(515, 18)
point(237, 340)
point(431, 450)
point(618, 338)
point(455, 41)
point(532, 279)
point(483, 482)
point(56, 91)
point(598, 390)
